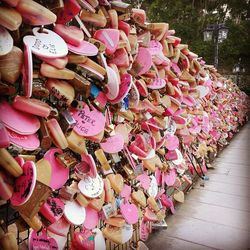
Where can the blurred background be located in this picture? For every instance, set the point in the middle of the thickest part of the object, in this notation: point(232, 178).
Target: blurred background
point(217, 30)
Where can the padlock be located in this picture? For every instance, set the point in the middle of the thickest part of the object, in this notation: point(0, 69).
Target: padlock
point(30, 208)
point(67, 159)
point(76, 143)
point(81, 85)
point(66, 121)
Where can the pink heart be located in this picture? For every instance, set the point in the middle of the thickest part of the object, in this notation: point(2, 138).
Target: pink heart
point(113, 144)
point(27, 142)
point(172, 142)
point(144, 60)
point(150, 216)
point(24, 184)
point(92, 218)
point(126, 83)
point(157, 83)
point(155, 47)
point(170, 177)
point(144, 180)
point(126, 192)
point(52, 209)
point(59, 174)
point(41, 241)
point(84, 240)
point(18, 121)
point(88, 123)
point(84, 48)
point(171, 155)
point(168, 203)
point(61, 227)
point(129, 212)
point(158, 176)
point(70, 34)
point(144, 230)
point(110, 37)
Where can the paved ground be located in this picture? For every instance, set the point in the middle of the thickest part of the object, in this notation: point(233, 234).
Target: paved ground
point(216, 216)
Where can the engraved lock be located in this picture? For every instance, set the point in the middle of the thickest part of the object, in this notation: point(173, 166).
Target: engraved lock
point(39, 196)
point(81, 84)
point(67, 159)
point(38, 88)
point(68, 193)
point(67, 122)
point(45, 140)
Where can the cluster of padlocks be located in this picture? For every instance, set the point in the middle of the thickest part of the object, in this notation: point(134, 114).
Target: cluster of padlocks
point(105, 120)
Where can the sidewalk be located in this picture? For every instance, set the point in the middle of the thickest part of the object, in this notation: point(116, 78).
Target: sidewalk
point(216, 215)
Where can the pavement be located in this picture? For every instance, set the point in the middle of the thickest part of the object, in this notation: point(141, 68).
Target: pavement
point(216, 213)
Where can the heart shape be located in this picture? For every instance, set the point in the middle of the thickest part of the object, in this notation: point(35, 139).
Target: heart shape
point(155, 47)
point(84, 240)
point(91, 187)
point(170, 177)
point(24, 184)
point(59, 174)
point(11, 65)
point(119, 235)
point(84, 48)
point(110, 37)
point(64, 15)
point(143, 61)
point(61, 227)
point(88, 123)
point(126, 192)
point(129, 212)
point(144, 180)
point(139, 197)
point(41, 241)
point(134, 96)
point(179, 159)
point(126, 83)
point(47, 44)
point(150, 215)
point(168, 203)
point(120, 58)
point(172, 142)
point(112, 84)
point(6, 41)
point(70, 34)
point(142, 87)
point(74, 213)
point(179, 196)
point(117, 182)
point(157, 83)
point(92, 218)
point(144, 230)
point(27, 142)
point(100, 243)
point(52, 209)
point(113, 144)
point(153, 187)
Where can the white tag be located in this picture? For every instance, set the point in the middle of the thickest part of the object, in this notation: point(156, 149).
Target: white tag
point(108, 210)
point(148, 115)
point(6, 41)
point(91, 187)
